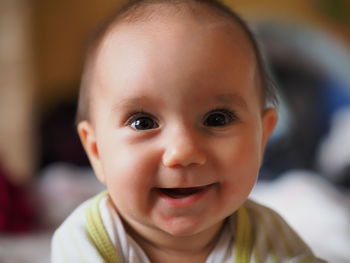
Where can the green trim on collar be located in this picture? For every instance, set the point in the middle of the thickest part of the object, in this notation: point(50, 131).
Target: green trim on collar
point(98, 233)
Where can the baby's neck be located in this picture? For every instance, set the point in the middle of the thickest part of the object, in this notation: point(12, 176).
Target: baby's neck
point(166, 248)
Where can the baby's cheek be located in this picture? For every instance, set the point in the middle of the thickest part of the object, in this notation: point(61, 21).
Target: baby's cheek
point(234, 194)
point(133, 171)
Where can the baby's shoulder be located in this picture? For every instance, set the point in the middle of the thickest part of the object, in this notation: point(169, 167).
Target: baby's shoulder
point(267, 223)
point(271, 237)
point(77, 217)
point(70, 241)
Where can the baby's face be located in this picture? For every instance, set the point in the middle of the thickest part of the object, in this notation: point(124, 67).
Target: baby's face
point(178, 130)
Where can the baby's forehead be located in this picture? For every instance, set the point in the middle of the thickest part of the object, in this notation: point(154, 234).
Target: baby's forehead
point(167, 31)
point(174, 35)
point(181, 20)
point(173, 30)
point(136, 54)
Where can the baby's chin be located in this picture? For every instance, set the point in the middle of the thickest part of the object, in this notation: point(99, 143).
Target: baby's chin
point(186, 227)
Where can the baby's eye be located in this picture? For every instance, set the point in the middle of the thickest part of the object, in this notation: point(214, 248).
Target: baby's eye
point(143, 123)
point(220, 117)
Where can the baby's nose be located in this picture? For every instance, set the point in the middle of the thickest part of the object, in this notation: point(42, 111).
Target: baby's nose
point(183, 150)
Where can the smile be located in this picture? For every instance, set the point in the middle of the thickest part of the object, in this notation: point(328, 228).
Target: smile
point(183, 192)
point(183, 197)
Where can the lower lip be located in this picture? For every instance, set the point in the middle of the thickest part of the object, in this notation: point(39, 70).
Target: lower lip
point(184, 201)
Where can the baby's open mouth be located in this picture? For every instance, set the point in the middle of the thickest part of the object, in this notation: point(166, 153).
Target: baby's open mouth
point(182, 192)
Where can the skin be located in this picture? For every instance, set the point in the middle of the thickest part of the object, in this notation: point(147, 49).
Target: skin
point(176, 73)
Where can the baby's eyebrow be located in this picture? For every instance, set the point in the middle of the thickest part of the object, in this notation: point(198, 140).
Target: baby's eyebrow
point(222, 98)
point(129, 103)
point(126, 104)
point(231, 98)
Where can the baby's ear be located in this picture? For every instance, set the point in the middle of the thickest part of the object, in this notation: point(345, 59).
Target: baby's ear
point(270, 117)
point(88, 139)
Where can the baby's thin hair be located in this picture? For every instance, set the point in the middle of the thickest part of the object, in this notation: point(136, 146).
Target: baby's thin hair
point(144, 10)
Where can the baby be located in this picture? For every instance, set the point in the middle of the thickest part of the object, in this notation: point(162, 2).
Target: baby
point(174, 113)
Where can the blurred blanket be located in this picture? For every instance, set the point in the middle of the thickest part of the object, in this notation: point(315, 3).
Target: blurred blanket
point(17, 213)
point(315, 208)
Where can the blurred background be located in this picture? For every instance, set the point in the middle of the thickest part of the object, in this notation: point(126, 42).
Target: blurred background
point(44, 173)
